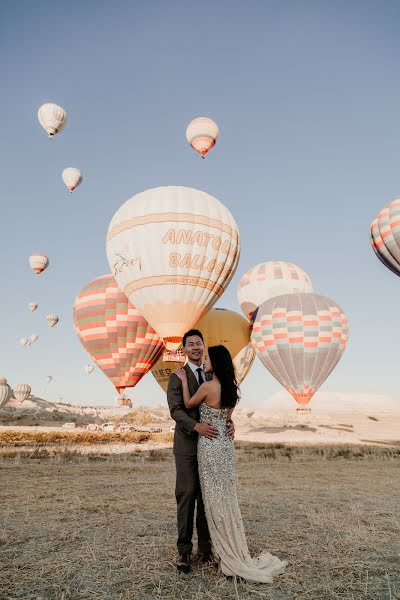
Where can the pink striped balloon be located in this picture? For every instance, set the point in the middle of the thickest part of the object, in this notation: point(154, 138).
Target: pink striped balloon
point(119, 340)
point(385, 236)
point(300, 339)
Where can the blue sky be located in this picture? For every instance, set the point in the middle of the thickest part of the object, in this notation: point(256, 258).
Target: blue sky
point(307, 97)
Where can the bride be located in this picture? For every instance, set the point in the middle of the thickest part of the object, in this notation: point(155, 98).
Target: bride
point(217, 399)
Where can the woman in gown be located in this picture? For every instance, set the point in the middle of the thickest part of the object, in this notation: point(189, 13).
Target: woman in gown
point(217, 399)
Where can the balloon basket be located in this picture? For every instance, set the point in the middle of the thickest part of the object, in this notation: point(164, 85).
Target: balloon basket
point(303, 411)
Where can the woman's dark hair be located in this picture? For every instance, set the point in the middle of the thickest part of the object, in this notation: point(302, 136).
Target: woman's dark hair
point(223, 368)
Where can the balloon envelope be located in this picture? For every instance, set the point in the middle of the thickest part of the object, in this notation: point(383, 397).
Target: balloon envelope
point(270, 279)
point(22, 391)
point(38, 263)
point(5, 393)
point(202, 134)
point(32, 306)
point(34, 337)
point(300, 338)
point(173, 251)
point(113, 332)
point(385, 236)
point(52, 118)
point(72, 178)
point(227, 327)
point(24, 342)
point(52, 320)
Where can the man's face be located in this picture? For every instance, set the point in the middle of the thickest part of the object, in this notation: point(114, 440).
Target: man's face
point(194, 349)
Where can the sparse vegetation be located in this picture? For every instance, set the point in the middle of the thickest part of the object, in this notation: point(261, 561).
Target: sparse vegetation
point(17, 438)
point(103, 527)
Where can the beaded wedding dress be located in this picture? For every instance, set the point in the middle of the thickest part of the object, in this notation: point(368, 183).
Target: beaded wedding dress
point(218, 485)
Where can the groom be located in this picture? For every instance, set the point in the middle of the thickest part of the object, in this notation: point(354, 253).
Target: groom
point(187, 430)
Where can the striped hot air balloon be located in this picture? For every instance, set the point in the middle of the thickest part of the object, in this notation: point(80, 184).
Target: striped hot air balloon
point(52, 320)
point(5, 391)
point(173, 250)
point(22, 392)
point(38, 263)
point(118, 339)
point(227, 327)
point(52, 118)
point(300, 339)
point(202, 134)
point(270, 279)
point(385, 236)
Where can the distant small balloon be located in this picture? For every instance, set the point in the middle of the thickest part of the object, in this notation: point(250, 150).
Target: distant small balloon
point(52, 320)
point(38, 263)
point(89, 369)
point(49, 378)
point(22, 391)
point(72, 178)
point(202, 134)
point(34, 337)
point(24, 342)
point(52, 118)
point(33, 306)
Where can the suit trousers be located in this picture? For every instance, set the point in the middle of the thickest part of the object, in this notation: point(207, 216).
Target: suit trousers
point(188, 492)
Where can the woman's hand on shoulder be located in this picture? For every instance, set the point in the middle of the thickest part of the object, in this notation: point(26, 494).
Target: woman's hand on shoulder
point(181, 374)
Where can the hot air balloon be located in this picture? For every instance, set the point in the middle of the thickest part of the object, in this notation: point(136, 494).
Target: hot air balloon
point(52, 320)
point(24, 342)
point(52, 118)
point(22, 392)
point(34, 337)
point(32, 306)
point(89, 369)
point(270, 279)
point(38, 263)
point(123, 401)
point(49, 378)
point(202, 134)
point(167, 364)
point(385, 236)
point(173, 250)
point(5, 391)
point(299, 339)
point(72, 178)
point(115, 335)
point(227, 327)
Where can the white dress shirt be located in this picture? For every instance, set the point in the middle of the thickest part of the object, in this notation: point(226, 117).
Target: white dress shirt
point(194, 370)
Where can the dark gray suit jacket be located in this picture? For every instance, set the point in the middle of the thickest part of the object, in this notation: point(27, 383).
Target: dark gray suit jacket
point(185, 439)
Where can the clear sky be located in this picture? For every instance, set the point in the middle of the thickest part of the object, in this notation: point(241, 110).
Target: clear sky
point(307, 97)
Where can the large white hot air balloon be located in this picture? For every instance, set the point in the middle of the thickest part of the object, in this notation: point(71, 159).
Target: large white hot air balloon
point(38, 263)
point(52, 118)
point(270, 279)
point(5, 391)
point(24, 342)
point(202, 134)
point(72, 178)
point(89, 369)
point(52, 319)
point(22, 392)
point(32, 306)
point(173, 251)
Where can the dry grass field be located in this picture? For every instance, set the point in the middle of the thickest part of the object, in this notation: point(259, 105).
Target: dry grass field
point(77, 526)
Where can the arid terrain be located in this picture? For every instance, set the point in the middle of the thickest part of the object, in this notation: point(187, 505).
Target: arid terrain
point(78, 526)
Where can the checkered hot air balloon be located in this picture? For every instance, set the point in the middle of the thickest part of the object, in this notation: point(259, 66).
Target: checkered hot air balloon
point(118, 339)
point(300, 338)
point(270, 279)
point(385, 236)
point(202, 134)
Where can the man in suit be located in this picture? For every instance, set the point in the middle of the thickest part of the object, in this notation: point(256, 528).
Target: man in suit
point(187, 430)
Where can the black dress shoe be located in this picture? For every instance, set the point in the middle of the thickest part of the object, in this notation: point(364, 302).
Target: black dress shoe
point(208, 558)
point(183, 563)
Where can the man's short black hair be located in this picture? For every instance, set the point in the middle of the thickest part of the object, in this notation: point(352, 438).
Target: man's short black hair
point(192, 332)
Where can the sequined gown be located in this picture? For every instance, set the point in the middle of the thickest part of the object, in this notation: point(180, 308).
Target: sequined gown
point(218, 484)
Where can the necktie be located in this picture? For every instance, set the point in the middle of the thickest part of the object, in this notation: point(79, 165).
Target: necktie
point(199, 372)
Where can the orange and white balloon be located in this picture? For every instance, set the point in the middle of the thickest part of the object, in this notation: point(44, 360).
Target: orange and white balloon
point(52, 118)
point(72, 177)
point(38, 263)
point(173, 251)
point(269, 279)
point(202, 134)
